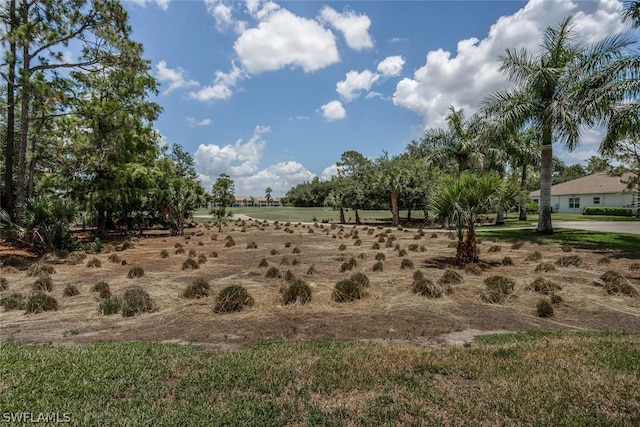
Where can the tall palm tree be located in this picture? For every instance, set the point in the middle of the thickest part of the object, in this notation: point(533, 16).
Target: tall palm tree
point(565, 86)
point(631, 13)
point(459, 142)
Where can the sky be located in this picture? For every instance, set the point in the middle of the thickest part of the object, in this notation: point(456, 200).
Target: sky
point(272, 93)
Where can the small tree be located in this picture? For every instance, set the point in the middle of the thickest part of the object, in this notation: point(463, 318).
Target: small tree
point(267, 195)
point(223, 196)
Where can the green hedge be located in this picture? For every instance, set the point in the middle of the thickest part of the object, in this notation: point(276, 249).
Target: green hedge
point(601, 210)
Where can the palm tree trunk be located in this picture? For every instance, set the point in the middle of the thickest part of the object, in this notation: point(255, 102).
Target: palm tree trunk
point(544, 221)
point(11, 115)
point(357, 217)
point(342, 221)
point(523, 199)
point(395, 210)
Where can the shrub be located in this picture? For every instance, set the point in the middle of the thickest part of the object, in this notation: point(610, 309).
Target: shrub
point(38, 268)
point(543, 286)
point(94, 263)
point(15, 301)
point(213, 254)
point(296, 250)
point(229, 242)
point(450, 277)
point(114, 258)
point(177, 245)
point(76, 257)
point(418, 275)
point(346, 266)
point(601, 210)
point(296, 261)
point(544, 308)
point(358, 242)
point(180, 251)
point(534, 256)
point(287, 244)
point(517, 245)
point(110, 305)
point(615, 283)
point(361, 279)
point(566, 248)
point(381, 239)
point(233, 298)
point(429, 289)
point(274, 252)
point(136, 301)
point(380, 256)
point(406, 264)
point(347, 290)
point(494, 248)
point(127, 244)
point(252, 245)
point(389, 243)
point(100, 286)
point(273, 273)
point(497, 289)
point(634, 267)
point(507, 261)
point(43, 283)
point(414, 247)
point(39, 302)
point(164, 253)
point(342, 247)
point(192, 253)
point(202, 258)
point(263, 263)
point(569, 261)
point(473, 268)
point(545, 267)
point(378, 266)
point(375, 246)
point(402, 253)
point(71, 291)
point(311, 270)
point(288, 276)
point(604, 260)
point(201, 243)
point(556, 299)
point(4, 284)
point(135, 272)
point(198, 289)
point(190, 264)
point(297, 291)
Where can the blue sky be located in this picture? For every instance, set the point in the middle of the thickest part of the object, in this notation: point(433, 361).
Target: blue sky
point(274, 92)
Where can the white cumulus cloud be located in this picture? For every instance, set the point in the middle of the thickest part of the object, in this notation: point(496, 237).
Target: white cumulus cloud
point(222, 85)
point(194, 122)
point(283, 39)
point(333, 111)
point(281, 177)
point(354, 27)
point(355, 83)
point(162, 4)
point(391, 66)
point(466, 77)
point(175, 77)
point(329, 172)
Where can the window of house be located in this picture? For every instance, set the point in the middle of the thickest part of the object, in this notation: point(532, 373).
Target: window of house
point(596, 200)
point(574, 202)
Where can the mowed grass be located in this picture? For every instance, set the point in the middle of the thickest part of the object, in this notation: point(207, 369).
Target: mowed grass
point(579, 239)
point(577, 379)
point(294, 215)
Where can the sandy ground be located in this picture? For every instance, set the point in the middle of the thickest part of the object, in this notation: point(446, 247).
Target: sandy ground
point(391, 311)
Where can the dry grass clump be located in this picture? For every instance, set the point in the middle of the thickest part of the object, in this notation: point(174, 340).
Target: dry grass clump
point(473, 268)
point(263, 263)
point(342, 247)
point(534, 256)
point(348, 265)
point(543, 286)
point(178, 245)
point(615, 283)
point(350, 289)
point(179, 251)
point(76, 257)
point(358, 242)
point(296, 291)
point(274, 252)
point(9, 270)
point(378, 266)
point(135, 272)
point(15, 301)
point(414, 247)
point(198, 289)
point(192, 253)
point(71, 291)
point(604, 260)
point(296, 261)
point(14, 262)
point(39, 302)
point(311, 270)
point(402, 252)
point(288, 276)
point(450, 277)
point(406, 264)
point(452, 245)
point(108, 249)
point(127, 244)
point(296, 250)
point(285, 260)
point(229, 242)
point(380, 256)
point(517, 245)
point(507, 261)
point(136, 301)
point(114, 258)
point(252, 245)
point(164, 253)
point(566, 248)
point(287, 244)
point(570, 261)
point(39, 267)
point(273, 273)
point(634, 267)
point(389, 244)
point(94, 263)
point(43, 283)
point(190, 264)
point(544, 308)
point(233, 298)
point(434, 235)
point(202, 258)
point(110, 305)
point(4, 284)
point(427, 288)
point(213, 254)
point(498, 288)
point(375, 246)
point(495, 248)
point(545, 267)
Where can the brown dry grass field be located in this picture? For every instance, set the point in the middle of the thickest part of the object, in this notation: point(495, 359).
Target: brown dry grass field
point(389, 312)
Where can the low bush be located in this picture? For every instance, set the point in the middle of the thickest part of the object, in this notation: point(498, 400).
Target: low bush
point(570, 261)
point(39, 267)
point(473, 268)
point(273, 273)
point(274, 252)
point(495, 248)
point(507, 261)
point(135, 272)
point(380, 256)
point(296, 291)
point(406, 264)
point(15, 301)
point(375, 246)
point(497, 289)
point(202, 258)
point(40, 302)
point(566, 248)
point(229, 243)
point(192, 253)
point(263, 263)
point(348, 290)
point(311, 270)
point(114, 258)
point(164, 253)
point(136, 301)
point(252, 245)
point(285, 261)
point(110, 305)
point(361, 279)
point(190, 264)
point(402, 252)
point(127, 244)
point(213, 254)
point(4, 284)
point(198, 289)
point(545, 267)
point(71, 291)
point(94, 263)
point(427, 288)
point(544, 308)
point(233, 298)
point(534, 256)
point(378, 266)
point(43, 283)
point(179, 251)
point(517, 245)
point(615, 283)
point(76, 257)
point(543, 286)
point(450, 277)
point(609, 211)
point(342, 247)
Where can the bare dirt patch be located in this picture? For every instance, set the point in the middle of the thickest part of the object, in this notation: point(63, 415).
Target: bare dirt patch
point(390, 311)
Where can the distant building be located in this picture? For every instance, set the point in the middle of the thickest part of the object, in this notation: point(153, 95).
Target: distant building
point(598, 189)
point(244, 201)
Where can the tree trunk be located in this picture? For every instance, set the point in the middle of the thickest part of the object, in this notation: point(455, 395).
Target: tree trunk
point(409, 215)
point(395, 209)
point(500, 216)
point(24, 123)
point(467, 251)
point(102, 222)
point(544, 221)
point(357, 217)
point(342, 221)
point(11, 115)
point(524, 198)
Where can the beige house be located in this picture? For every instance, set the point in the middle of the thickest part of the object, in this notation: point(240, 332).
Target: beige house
point(243, 201)
point(598, 189)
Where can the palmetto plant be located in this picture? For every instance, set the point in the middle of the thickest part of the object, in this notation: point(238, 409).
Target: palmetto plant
point(46, 222)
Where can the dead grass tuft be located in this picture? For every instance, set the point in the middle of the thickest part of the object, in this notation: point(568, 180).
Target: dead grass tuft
point(497, 289)
point(40, 302)
point(233, 298)
point(570, 261)
point(198, 289)
point(450, 277)
point(190, 264)
point(543, 286)
point(135, 272)
point(545, 267)
point(94, 263)
point(273, 273)
point(473, 268)
point(534, 256)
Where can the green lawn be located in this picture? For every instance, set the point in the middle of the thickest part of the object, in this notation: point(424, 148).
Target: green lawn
point(572, 379)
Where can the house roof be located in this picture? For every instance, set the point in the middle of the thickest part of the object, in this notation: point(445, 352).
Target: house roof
point(598, 183)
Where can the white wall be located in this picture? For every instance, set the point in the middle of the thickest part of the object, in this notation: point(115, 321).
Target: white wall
point(560, 204)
